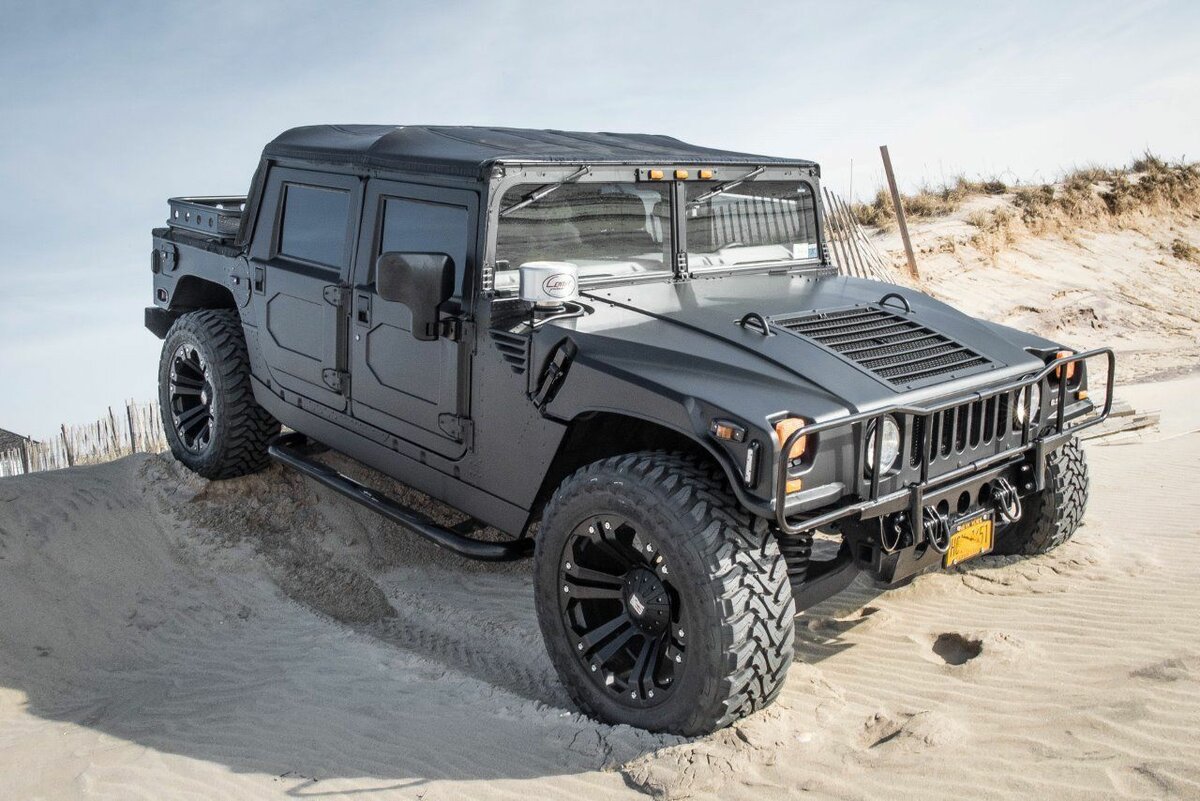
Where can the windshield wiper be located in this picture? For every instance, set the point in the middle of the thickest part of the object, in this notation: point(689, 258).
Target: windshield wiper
point(534, 197)
point(725, 187)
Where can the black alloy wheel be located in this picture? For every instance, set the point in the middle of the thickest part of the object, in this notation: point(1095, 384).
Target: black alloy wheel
point(618, 602)
point(190, 394)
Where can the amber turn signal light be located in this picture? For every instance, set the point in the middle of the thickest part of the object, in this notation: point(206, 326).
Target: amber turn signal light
point(1058, 371)
point(726, 430)
point(784, 429)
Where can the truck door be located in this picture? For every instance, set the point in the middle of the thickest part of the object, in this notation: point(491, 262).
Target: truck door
point(300, 265)
point(415, 390)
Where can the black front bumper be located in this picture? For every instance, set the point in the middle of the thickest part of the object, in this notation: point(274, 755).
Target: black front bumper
point(925, 489)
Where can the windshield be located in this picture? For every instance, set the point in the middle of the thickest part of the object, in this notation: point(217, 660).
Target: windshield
point(622, 230)
point(608, 229)
point(754, 222)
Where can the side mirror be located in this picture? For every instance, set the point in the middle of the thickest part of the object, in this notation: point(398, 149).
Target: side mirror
point(421, 281)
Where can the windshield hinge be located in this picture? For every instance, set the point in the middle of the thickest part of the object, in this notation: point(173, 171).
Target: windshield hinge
point(681, 265)
point(679, 256)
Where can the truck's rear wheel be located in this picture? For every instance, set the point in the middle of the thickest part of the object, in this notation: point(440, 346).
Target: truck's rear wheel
point(663, 604)
point(212, 422)
point(1051, 516)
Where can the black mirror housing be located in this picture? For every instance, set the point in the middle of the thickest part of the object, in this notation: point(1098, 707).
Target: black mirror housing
point(421, 281)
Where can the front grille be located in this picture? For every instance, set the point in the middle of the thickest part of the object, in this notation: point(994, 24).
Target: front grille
point(895, 348)
point(972, 425)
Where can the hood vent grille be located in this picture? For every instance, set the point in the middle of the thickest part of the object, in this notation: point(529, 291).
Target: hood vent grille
point(893, 347)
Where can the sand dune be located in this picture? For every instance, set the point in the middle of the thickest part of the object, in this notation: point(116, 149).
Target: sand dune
point(1114, 284)
point(165, 637)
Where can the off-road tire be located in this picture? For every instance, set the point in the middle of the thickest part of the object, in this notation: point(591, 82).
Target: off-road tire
point(726, 568)
point(240, 428)
point(1051, 516)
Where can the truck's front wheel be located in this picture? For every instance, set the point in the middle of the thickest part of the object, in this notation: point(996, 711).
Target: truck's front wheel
point(1050, 517)
point(663, 604)
point(210, 417)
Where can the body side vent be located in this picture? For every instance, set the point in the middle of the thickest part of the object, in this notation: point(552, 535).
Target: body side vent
point(514, 348)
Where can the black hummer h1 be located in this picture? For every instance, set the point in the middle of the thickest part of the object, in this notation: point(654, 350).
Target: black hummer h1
point(640, 345)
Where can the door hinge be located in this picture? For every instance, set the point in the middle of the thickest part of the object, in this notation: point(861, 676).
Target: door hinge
point(457, 428)
point(337, 380)
point(336, 294)
point(456, 329)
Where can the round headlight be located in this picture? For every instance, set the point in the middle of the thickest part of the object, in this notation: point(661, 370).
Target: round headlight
point(890, 449)
point(1035, 391)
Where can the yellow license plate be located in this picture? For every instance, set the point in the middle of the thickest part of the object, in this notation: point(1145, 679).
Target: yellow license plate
point(972, 538)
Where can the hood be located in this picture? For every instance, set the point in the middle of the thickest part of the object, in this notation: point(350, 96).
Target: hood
point(830, 331)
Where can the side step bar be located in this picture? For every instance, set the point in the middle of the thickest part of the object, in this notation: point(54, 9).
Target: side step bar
point(293, 450)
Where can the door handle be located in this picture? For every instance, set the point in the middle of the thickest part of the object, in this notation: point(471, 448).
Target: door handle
point(362, 309)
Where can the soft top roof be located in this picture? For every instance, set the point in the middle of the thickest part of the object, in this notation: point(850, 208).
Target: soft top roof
point(469, 150)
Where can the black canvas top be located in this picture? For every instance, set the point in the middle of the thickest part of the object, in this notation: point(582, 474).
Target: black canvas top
point(467, 150)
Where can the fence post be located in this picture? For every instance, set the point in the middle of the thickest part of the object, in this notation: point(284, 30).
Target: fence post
point(133, 443)
point(67, 447)
point(118, 445)
point(908, 251)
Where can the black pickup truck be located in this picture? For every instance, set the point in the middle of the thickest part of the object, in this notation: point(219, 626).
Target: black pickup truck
point(634, 357)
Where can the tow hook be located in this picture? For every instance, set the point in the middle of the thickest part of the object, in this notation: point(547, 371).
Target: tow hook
point(937, 529)
point(1007, 501)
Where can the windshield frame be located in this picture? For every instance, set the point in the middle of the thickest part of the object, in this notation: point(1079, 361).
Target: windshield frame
point(507, 175)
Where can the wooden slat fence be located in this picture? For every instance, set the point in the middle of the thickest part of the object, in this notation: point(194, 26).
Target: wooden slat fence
point(135, 429)
point(849, 246)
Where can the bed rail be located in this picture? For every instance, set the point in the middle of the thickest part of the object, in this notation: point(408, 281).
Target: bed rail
point(218, 217)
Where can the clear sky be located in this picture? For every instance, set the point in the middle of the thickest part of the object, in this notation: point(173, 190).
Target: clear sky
point(107, 109)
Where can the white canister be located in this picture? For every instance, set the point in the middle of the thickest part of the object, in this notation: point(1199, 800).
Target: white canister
point(549, 284)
